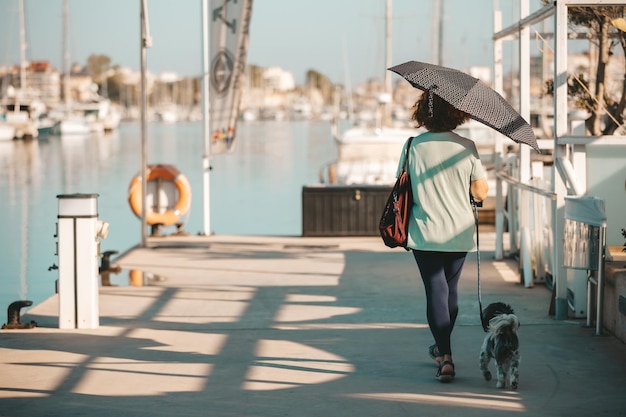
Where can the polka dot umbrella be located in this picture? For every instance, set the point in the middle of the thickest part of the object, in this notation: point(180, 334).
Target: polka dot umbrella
point(470, 95)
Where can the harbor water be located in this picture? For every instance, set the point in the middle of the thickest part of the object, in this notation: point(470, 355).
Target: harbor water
point(255, 190)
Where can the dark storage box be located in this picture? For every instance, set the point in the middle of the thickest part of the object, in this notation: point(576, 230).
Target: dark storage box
point(342, 210)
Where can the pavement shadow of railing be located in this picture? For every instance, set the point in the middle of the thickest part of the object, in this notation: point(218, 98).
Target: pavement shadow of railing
point(351, 346)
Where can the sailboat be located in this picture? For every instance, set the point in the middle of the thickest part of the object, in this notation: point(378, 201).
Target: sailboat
point(21, 106)
point(7, 131)
point(70, 120)
point(369, 154)
point(22, 109)
point(355, 186)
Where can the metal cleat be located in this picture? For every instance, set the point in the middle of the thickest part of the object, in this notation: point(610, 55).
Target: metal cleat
point(106, 269)
point(13, 320)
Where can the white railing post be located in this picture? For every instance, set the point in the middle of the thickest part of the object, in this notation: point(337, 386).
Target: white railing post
point(560, 130)
point(498, 86)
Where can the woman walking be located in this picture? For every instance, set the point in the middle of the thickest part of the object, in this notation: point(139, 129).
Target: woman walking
point(445, 169)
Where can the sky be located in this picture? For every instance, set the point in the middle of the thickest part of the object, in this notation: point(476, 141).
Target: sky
point(342, 39)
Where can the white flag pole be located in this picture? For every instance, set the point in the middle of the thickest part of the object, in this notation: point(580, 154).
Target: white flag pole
point(206, 158)
point(146, 42)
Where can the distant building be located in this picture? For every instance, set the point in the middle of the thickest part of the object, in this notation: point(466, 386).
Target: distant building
point(168, 77)
point(46, 80)
point(267, 88)
point(277, 79)
point(482, 73)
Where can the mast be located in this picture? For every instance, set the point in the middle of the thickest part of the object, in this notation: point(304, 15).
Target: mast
point(22, 47)
point(66, 53)
point(388, 47)
point(437, 33)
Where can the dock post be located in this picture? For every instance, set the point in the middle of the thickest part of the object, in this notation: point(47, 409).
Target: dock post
point(78, 230)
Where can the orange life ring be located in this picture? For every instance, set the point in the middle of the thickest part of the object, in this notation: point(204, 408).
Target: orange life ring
point(166, 173)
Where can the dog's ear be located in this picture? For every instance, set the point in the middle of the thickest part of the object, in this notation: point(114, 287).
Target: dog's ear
point(484, 320)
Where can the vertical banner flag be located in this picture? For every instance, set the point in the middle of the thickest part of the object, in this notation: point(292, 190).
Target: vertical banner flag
point(229, 28)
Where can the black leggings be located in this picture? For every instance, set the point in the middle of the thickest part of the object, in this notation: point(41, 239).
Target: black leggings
point(440, 272)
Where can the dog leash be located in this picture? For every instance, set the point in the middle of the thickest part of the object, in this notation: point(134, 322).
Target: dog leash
point(475, 205)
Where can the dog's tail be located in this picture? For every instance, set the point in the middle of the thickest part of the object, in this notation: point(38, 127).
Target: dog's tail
point(503, 321)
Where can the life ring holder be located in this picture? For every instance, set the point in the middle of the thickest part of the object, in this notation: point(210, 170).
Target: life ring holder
point(166, 173)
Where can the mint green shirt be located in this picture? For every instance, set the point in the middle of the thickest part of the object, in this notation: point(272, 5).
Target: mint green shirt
point(441, 165)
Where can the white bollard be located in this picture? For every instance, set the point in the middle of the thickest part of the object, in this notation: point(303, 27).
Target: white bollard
point(78, 229)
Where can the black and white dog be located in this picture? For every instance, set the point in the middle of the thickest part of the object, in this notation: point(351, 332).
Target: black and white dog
point(501, 344)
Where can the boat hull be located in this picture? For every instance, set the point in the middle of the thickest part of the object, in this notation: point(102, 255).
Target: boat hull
point(7, 132)
point(71, 126)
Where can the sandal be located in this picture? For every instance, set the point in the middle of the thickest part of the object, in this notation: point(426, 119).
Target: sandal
point(445, 376)
point(433, 352)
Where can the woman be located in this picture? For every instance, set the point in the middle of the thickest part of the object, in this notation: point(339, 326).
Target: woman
point(444, 169)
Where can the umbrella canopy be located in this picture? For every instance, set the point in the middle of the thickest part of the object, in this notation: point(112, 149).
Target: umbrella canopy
point(470, 95)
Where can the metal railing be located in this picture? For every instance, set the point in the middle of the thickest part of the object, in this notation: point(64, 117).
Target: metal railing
point(530, 214)
point(531, 239)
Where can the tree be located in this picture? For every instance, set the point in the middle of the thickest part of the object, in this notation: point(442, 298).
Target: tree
point(620, 25)
point(316, 80)
point(255, 75)
point(98, 67)
point(115, 85)
point(602, 24)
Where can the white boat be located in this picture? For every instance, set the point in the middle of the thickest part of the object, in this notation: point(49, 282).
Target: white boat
point(22, 109)
point(301, 109)
point(76, 118)
point(249, 115)
point(167, 114)
point(21, 106)
point(99, 113)
point(7, 131)
point(367, 156)
point(355, 186)
point(111, 120)
point(73, 124)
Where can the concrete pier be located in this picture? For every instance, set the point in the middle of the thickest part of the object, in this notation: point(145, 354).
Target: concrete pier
point(291, 326)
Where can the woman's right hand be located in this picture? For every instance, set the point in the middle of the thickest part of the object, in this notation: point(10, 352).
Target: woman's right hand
point(479, 189)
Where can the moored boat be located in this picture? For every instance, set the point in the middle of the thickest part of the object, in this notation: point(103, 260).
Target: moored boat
point(72, 125)
point(22, 109)
point(354, 187)
point(7, 131)
point(366, 156)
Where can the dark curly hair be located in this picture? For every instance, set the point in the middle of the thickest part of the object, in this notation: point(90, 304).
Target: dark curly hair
point(444, 116)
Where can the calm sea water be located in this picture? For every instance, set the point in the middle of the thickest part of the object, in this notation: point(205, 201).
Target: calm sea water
point(256, 190)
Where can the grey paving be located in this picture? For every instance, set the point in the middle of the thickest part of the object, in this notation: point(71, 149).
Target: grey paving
point(272, 326)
